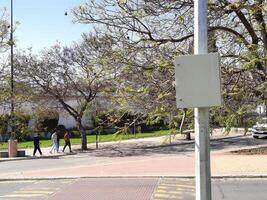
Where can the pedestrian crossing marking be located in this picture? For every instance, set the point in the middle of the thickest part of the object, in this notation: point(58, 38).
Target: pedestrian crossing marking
point(169, 192)
point(178, 185)
point(41, 188)
point(28, 193)
point(175, 180)
point(174, 188)
point(34, 192)
point(17, 181)
point(167, 195)
point(22, 195)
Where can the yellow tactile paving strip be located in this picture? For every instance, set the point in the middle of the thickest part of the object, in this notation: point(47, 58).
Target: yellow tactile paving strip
point(174, 189)
point(36, 190)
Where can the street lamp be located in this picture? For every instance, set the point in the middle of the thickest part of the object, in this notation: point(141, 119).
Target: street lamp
point(12, 67)
point(12, 143)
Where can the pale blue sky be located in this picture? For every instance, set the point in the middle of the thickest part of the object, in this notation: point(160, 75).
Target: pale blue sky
point(42, 22)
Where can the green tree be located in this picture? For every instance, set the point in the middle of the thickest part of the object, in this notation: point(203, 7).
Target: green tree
point(70, 77)
point(152, 33)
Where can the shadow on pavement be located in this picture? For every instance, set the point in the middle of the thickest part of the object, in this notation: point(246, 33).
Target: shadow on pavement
point(177, 148)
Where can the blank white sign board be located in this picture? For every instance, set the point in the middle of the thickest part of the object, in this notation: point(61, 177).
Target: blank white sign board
point(197, 79)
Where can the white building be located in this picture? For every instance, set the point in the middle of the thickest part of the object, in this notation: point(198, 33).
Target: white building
point(64, 118)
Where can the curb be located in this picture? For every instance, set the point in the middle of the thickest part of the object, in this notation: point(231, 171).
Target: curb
point(134, 176)
point(33, 158)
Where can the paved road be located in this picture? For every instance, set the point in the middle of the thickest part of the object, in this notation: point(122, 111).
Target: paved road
point(140, 159)
point(130, 189)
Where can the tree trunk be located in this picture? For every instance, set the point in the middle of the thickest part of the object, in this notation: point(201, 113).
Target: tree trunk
point(83, 134)
point(96, 130)
point(188, 136)
point(181, 128)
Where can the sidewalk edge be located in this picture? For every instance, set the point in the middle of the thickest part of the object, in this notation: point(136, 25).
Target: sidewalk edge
point(134, 176)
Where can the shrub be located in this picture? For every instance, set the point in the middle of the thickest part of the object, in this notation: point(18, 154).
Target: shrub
point(46, 120)
point(3, 124)
point(21, 125)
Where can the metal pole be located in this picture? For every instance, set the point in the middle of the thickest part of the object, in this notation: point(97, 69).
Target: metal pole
point(202, 140)
point(12, 69)
point(96, 139)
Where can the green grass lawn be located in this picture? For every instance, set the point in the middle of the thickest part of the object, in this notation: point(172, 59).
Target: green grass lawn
point(92, 139)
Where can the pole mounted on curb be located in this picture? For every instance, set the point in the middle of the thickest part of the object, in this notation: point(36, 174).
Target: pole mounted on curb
point(11, 67)
point(197, 79)
point(12, 142)
point(202, 140)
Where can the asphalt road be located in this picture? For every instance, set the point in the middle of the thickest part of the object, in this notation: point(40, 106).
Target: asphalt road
point(130, 189)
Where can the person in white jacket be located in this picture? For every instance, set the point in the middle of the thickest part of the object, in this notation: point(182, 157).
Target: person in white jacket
point(54, 142)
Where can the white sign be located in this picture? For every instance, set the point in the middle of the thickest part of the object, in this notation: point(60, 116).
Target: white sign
point(197, 79)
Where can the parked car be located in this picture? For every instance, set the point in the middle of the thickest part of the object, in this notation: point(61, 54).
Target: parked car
point(260, 129)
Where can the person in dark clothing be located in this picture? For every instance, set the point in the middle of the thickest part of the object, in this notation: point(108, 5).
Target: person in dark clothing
point(36, 143)
point(58, 141)
point(67, 141)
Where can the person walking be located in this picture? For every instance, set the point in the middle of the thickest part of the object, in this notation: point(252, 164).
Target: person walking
point(36, 143)
point(58, 140)
point(54, 142)
point(67, 141)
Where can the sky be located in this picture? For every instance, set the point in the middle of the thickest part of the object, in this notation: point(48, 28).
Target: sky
point(42, 23)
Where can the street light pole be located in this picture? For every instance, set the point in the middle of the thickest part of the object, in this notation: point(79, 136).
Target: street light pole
point(202, 140)
point(12, 68)
point(12, 143)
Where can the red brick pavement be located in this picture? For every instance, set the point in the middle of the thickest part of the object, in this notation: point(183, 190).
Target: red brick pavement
point(108, 189)
point(174, 165)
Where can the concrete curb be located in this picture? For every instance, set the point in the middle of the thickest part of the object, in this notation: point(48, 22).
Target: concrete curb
point(37, 157)
point(134, 176)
